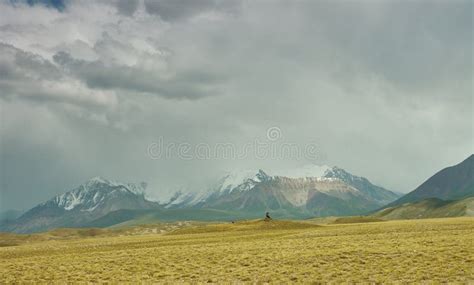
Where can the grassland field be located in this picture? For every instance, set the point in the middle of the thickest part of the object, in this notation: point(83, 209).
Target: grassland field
point(428, 250)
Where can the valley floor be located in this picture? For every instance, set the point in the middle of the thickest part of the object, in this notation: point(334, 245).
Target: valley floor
point(439, 250)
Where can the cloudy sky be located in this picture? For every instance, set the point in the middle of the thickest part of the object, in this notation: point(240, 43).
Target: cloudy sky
point(381, 88)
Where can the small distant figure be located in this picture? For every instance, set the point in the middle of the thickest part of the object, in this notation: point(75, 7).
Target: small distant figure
point(233, 222)
point(267, 217)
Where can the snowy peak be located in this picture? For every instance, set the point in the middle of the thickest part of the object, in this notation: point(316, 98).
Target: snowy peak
point(242, 180)
point(231, 183)
point(95, 192)
point(339, 173)
point(99, 182)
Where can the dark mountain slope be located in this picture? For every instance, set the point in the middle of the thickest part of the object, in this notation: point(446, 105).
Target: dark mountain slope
point(452, 183)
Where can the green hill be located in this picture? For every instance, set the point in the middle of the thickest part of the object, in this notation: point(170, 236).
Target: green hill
point(429, 208)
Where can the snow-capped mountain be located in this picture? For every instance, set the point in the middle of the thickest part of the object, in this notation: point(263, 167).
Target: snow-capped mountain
point(95, 193)
point(238, 181)
point(311, 190)
point(377, 193)
point(242, 181)
point(91, 200)
point(302, 193)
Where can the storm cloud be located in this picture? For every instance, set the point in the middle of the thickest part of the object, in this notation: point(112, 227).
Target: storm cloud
point(384, 89)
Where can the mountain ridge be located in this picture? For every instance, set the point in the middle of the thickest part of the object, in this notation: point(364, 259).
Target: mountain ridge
point(103, 202)
point(322, 182)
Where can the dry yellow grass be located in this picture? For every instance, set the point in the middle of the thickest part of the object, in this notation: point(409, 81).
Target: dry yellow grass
point(438, 250)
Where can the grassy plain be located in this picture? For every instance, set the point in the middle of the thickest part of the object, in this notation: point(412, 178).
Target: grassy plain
point(438, 250)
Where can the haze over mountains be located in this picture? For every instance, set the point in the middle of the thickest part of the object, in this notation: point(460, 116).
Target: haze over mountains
point(332, 191)
point(318, 191)
point(100, 202)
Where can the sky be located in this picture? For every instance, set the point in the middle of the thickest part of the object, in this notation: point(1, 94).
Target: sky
point(383, 89)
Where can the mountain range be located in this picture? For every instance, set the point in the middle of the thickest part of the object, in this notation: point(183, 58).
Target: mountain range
point(314, 191)
point(319, 191)
point(335, 192)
